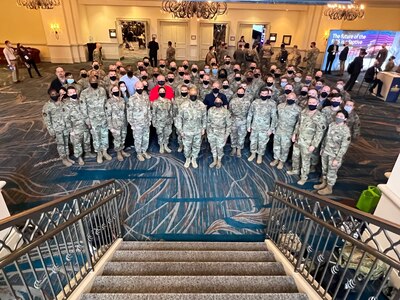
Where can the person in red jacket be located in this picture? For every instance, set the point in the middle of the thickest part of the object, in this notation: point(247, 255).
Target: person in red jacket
point(169, 92)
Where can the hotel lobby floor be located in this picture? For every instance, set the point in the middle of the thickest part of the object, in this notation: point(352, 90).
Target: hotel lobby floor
point(162, 199)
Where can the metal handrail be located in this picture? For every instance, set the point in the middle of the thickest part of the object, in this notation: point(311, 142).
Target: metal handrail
point(60, 242)
point(332, 245)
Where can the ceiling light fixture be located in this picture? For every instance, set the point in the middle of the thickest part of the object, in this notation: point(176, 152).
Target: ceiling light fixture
point(188, 9)
point(38, 4)
point(345, 12)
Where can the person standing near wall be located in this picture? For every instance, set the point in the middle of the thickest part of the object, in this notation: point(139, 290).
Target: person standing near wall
point(382, 55)
point(311, 58)
point(11, 60)
point(153, 49)
point(343, 57)
point(170, 53)
point(27, 59)
point(354, 70)
point(332, 51)
point(97, 54)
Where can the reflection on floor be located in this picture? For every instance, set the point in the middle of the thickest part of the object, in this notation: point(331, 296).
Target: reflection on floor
point(163, 200)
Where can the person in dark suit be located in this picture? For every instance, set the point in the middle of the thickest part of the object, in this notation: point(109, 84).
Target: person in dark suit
point(371, 77)
point(354, 70)
point(210, 98)
point(343, 57)
point(382, 55)
point(332, 51)
point(153, 49)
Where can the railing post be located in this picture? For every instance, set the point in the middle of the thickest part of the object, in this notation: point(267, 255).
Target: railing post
point(117, 216)
point(84, 236)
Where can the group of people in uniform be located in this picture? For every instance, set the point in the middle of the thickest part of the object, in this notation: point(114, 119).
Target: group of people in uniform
point(221, 100)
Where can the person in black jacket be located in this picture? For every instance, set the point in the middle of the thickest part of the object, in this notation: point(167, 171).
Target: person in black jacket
point(27, 59)
point(343, 57)
point(332, 51)
point(371, 77)
point(354, 70)
point(210, 98)
point(153, 49)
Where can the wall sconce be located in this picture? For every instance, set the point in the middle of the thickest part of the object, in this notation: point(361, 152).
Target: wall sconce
point(55, 29)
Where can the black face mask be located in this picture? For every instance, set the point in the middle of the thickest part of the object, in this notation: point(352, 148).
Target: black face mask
point(324, 94)
point(193, 97)
point(228, 63)
point(144, 77)
point(116, 94)
point(113, 78)
point(145, 87)
point(122, 73)
point(155, 75)
point(265, 97)
point(287, 92)
point(222, 75)
point(225, 86)
point(290, 72)
point(303, 93)
point(335, 103)
point(312, 107)
point(161, 82)
point(186, 81)
point(277, 75)
point(141, 68)
point(206, 82)
point(130, 73)
point(162, 95)
point(54, 98)
point(218, 104)
point(173, 69)
point(256, 75)
point(252, 68)
point(96, 67)
point(272, 71)
point(249, 79)
point(236, 70)
point(162, 66)
point(213, 64)
point(238, 78)
point(194, 70)
point(185, 67)
point(83, 75)
point(240, 95)
point(74, 96)
point(146, 64)
point(270, 84)
point(181, 73)
point(201, 76)
point(170, 80)
point(290, 101)
point(94, 85)
point(215, 90)
point(139, 91)
point(184, 94)
point(317, 78)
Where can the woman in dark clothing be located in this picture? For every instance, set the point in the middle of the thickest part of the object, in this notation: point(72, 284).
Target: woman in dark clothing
point(27, 59)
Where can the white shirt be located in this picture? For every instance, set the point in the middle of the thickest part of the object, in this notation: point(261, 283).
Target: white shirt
point(9, 54)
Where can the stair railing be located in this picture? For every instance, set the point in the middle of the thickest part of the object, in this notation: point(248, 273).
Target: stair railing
point(342, 252)
point(48, 250)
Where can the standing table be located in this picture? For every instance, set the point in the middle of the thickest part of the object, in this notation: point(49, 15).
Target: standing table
point(391, 86)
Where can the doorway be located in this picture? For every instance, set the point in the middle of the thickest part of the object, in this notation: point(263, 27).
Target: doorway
point(176, 32)
point(211, 34)
point(133, 38)
point(253, 33)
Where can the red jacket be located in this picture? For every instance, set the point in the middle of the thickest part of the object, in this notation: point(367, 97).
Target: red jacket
point(169, 93)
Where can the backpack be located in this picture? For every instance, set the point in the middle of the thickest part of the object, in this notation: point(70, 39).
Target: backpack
point(350, 67)
point(284, 56)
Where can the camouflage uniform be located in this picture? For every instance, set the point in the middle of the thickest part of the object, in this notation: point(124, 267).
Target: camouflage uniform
point(190, 121)
point(227, 92)
point(176, 104)
point(234, 85)
point(311, 59)
point(261, 119)
point(54, 118)
point(138, 113)
point(353, 121)
point(93, 106)
point(108, 84)
point(79, 131)
point(335, 146)
point(162, 119)
point(302, 101)
point(218, 129)
point(309, 131)
point(116, 120)
point(78, 87)
point(84, 83)
point(203, 92)
point(288, 116)
point(239, 108)
point(329, 114)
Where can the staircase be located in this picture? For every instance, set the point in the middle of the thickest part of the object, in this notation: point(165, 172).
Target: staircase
point(193, 270)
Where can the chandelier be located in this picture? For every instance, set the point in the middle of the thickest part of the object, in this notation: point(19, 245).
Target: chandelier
point(38, 4)
point(344, 12)
point(189, 9)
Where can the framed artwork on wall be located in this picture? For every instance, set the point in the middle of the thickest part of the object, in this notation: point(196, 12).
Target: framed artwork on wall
point(112, 33)
point(287, 39)
point(273, 37)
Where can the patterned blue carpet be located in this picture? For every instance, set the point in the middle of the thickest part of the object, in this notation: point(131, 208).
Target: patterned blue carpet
point(163, 200)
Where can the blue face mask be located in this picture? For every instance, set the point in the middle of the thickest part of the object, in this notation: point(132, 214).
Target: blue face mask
point(70, 80)
point(207, 71)
point(348, 108)
point(283, 84)
point(215, 71)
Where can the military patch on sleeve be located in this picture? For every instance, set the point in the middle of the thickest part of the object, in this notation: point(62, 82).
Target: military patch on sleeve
point(81, 101)
point(44, 115)
point(323, 127)
point(348, 138)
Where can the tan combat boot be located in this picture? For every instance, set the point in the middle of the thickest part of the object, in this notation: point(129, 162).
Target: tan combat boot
point(99, 158)
point(106, 155)
point(274, 163)
point(280, 165)
point(180, 148)
point(239, 152)
point(161, 148)
point(80, 161)
point(252, 156)
point(167, 149)
point(321, 185)
point(259, 159)
point(233, 152)
point(219, 163)
point(140, 157)
point(326, 191)
point(194, 163)
point(302, 181)
point(146, 155)
point(70, 160)
point(214, 163)
point(119, 156)
point(125, 154)
point(187, 163)
point(293, 172)
point(65, 161)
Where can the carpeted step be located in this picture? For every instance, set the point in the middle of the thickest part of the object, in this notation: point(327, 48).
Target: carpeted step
point(281, 296)
point(194, 268)
point(200, 246)
point(203, 256)
point(194, 284)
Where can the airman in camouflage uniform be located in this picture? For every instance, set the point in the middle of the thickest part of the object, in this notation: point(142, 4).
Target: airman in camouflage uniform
point(353, 121)
point(139, 117)
point(239, 108)
point(288, 115)
point(303, 97)
point(83, 80)
point(110, 80)
point(116, 120)
point(191, 123)
point(162, 120)
point(311, 58)
point(330, 111)
point(176, 104)
point(335, 146)
point(288, 89)
point(205, 87)
point(218, 130)
point(186, 82)
point(226, 90)
point(93, 103)
point(80, 134)
point(54, 118)
point(307, 136)
point(261, 122)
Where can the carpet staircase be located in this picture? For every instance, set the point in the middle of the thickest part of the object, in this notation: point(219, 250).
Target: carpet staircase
point(193, 270)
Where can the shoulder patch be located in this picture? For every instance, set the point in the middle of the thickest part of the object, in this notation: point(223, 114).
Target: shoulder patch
point(44, 115)
point(348, 138)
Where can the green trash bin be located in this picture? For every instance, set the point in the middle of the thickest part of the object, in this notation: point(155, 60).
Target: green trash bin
point(369, 199)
